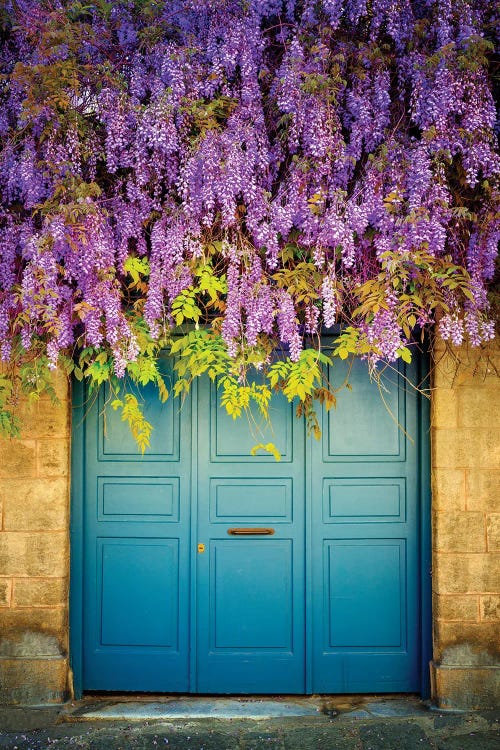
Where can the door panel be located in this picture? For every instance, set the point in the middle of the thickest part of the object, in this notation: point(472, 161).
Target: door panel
point(359, 574)
point(139, 608)
point(370, 500)
point(250, 589)
point(231, 441)
point(260, 500)
point(251, 609)
point(116, 442)
point(363, 428)
point(134, 498)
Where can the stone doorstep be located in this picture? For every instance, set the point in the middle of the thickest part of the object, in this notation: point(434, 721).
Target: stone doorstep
point(159, 708)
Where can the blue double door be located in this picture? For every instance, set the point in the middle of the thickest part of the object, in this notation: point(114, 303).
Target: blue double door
point(207, 569)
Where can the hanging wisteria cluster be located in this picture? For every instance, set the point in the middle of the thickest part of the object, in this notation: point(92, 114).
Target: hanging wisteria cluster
point(269, 168)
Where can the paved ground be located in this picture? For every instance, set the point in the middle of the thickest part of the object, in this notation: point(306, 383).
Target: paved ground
point(376, 724)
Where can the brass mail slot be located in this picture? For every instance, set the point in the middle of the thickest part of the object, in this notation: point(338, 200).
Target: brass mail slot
point(250, 532)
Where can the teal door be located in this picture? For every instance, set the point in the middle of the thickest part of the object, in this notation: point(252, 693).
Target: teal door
point(204, 569)
point(136, 553)
point(365, 506)
point(251, 577)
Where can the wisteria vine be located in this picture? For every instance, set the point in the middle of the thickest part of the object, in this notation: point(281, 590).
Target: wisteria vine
point(261, 170)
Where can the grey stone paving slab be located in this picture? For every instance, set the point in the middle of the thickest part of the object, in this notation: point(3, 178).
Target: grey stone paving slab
point(388, 735)
point(210, 740)
point(63, 735)
point(396, 708)
point(13, 718)
point(190, 736)
point(9, 741)
point(359, 713)
point(471, 741)
point(265, 740)
point(199, 708)
point(448, 721)
point(143, 738)
point(331, 738)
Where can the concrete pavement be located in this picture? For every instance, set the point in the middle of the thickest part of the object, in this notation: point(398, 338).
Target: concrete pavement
point(334, 723)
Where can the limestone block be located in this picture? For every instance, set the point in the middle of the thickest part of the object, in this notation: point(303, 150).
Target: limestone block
point(489, 607)
point(33, 681)
point(483, 490)
point(17, 458)
point(465, 448)
point(445, 367)
point(481, 372)
point(466, 644)
point(466, 688)
point(444, 408)
point(61, 385)
point(466, 366)
point(493, 526)
point(448, 489)
point(466, 573)
point(459, 532)
point(33, 632)
point(34, 554)
point(53, 458)
point(34, 504)
point(459, 607)
point(477, 405)
point(5, 592)
point(40, 592)
point(44, 419)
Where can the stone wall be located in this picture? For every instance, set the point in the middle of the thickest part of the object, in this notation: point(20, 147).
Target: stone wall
point(465, 440)
point(34, 555)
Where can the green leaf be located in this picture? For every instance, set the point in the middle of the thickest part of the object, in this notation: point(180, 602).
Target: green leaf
point(139, 426)
point(405, 354)
point(136, 267)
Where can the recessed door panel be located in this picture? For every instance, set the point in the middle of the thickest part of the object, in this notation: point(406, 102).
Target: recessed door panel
point(367, 423)
point(370, 500)
point(231, 440)
point(364, 585)
point(139, 592)
point(129, 498)
point(262, 500)
point(251, 609)
point(115, 441)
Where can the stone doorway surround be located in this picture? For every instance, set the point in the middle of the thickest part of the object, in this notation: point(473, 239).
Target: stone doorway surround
point(465, 459)
point(465, 450)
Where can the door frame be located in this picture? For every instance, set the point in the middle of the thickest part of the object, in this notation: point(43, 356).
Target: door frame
point(78, 430)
